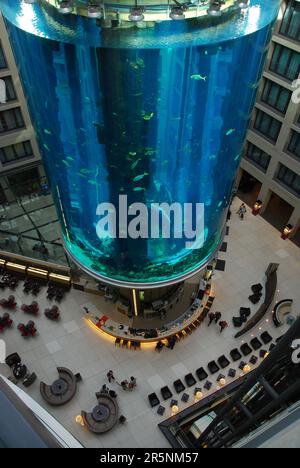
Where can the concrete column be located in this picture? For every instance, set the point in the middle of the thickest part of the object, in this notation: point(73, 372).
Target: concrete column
point(295, 220)
point(264, 196)
point(9, 194)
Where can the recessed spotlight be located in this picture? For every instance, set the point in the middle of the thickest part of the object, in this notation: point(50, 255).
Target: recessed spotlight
point(65, 7)
point(242, 3)
point(177, 14)
point(136, 15)
point(94, 11)
point(214, 9)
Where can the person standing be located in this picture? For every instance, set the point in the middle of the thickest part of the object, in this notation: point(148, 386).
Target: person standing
point(132, 383)
point(110, 376)
point(218, 316)
point(211, 317)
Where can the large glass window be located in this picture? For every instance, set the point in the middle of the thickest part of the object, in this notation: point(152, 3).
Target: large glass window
point(14, 152)
point(267, 125)
point(276, 96)
point(289, 179)
point(294, 144)
point(3, 63)
point(285, 62)
point(10, 120)
point(290, 25)
point(258, 156)
point(10, 90)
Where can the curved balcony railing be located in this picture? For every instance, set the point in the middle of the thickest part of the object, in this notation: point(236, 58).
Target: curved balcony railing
point(145, 10)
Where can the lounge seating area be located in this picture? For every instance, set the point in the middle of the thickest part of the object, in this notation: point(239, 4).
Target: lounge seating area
point(62, 390)
point(20, 372)
point(270, 290)
point(214, 368)
point(281, 310)
point(104, 415)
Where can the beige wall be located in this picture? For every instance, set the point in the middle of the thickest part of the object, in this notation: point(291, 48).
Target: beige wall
point(277, 152)
point(19, 135)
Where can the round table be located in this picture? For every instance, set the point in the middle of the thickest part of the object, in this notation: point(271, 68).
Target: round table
point(59, 387)
point(19, 371)
point(100, 413)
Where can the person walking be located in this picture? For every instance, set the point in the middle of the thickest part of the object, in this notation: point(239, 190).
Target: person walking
point(110, 376)
point(242, 211)
point(218, 317)
point(223, 325)
point(211, 317)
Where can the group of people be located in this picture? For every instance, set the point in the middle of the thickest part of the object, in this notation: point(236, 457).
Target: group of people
point(125, 384)
point(216, 317)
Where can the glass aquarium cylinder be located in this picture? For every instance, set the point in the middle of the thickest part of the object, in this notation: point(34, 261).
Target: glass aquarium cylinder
point(155, 110)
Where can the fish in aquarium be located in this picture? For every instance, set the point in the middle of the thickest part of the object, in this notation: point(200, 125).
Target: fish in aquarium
point(148, 116)
point(230, 132)
point(133, 166)
point(199, 77)
point(86, 171)
point(140, 177)
point(138, 189)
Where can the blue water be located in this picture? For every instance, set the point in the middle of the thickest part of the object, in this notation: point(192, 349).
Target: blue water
point(170, 103)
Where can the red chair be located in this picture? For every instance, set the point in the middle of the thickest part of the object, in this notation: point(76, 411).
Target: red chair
point(33, 308)
point(5, 322)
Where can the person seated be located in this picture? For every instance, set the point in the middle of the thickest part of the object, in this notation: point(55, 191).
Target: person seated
point(159, 346)
point(104, 389)
point(124, 384)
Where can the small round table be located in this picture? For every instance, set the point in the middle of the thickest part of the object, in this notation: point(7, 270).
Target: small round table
point(59, 387)
point(100, 413)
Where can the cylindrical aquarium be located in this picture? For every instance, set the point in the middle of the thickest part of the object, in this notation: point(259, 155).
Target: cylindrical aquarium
point(148, 99)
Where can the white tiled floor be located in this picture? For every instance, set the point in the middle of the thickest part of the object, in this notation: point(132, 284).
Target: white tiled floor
point(252, 245)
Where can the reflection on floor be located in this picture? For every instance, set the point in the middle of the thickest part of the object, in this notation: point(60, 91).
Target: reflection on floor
point(252, 245)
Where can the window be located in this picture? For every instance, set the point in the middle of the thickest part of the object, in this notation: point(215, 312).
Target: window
point(3, 63)
point(290, 25)
point(258, 156)
point(289, 179)
point(11, 120)
point(267, 125)
point(10, 91)
point(276, 96)
point(294, 144)
point(285, 62)
point(14, 152)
